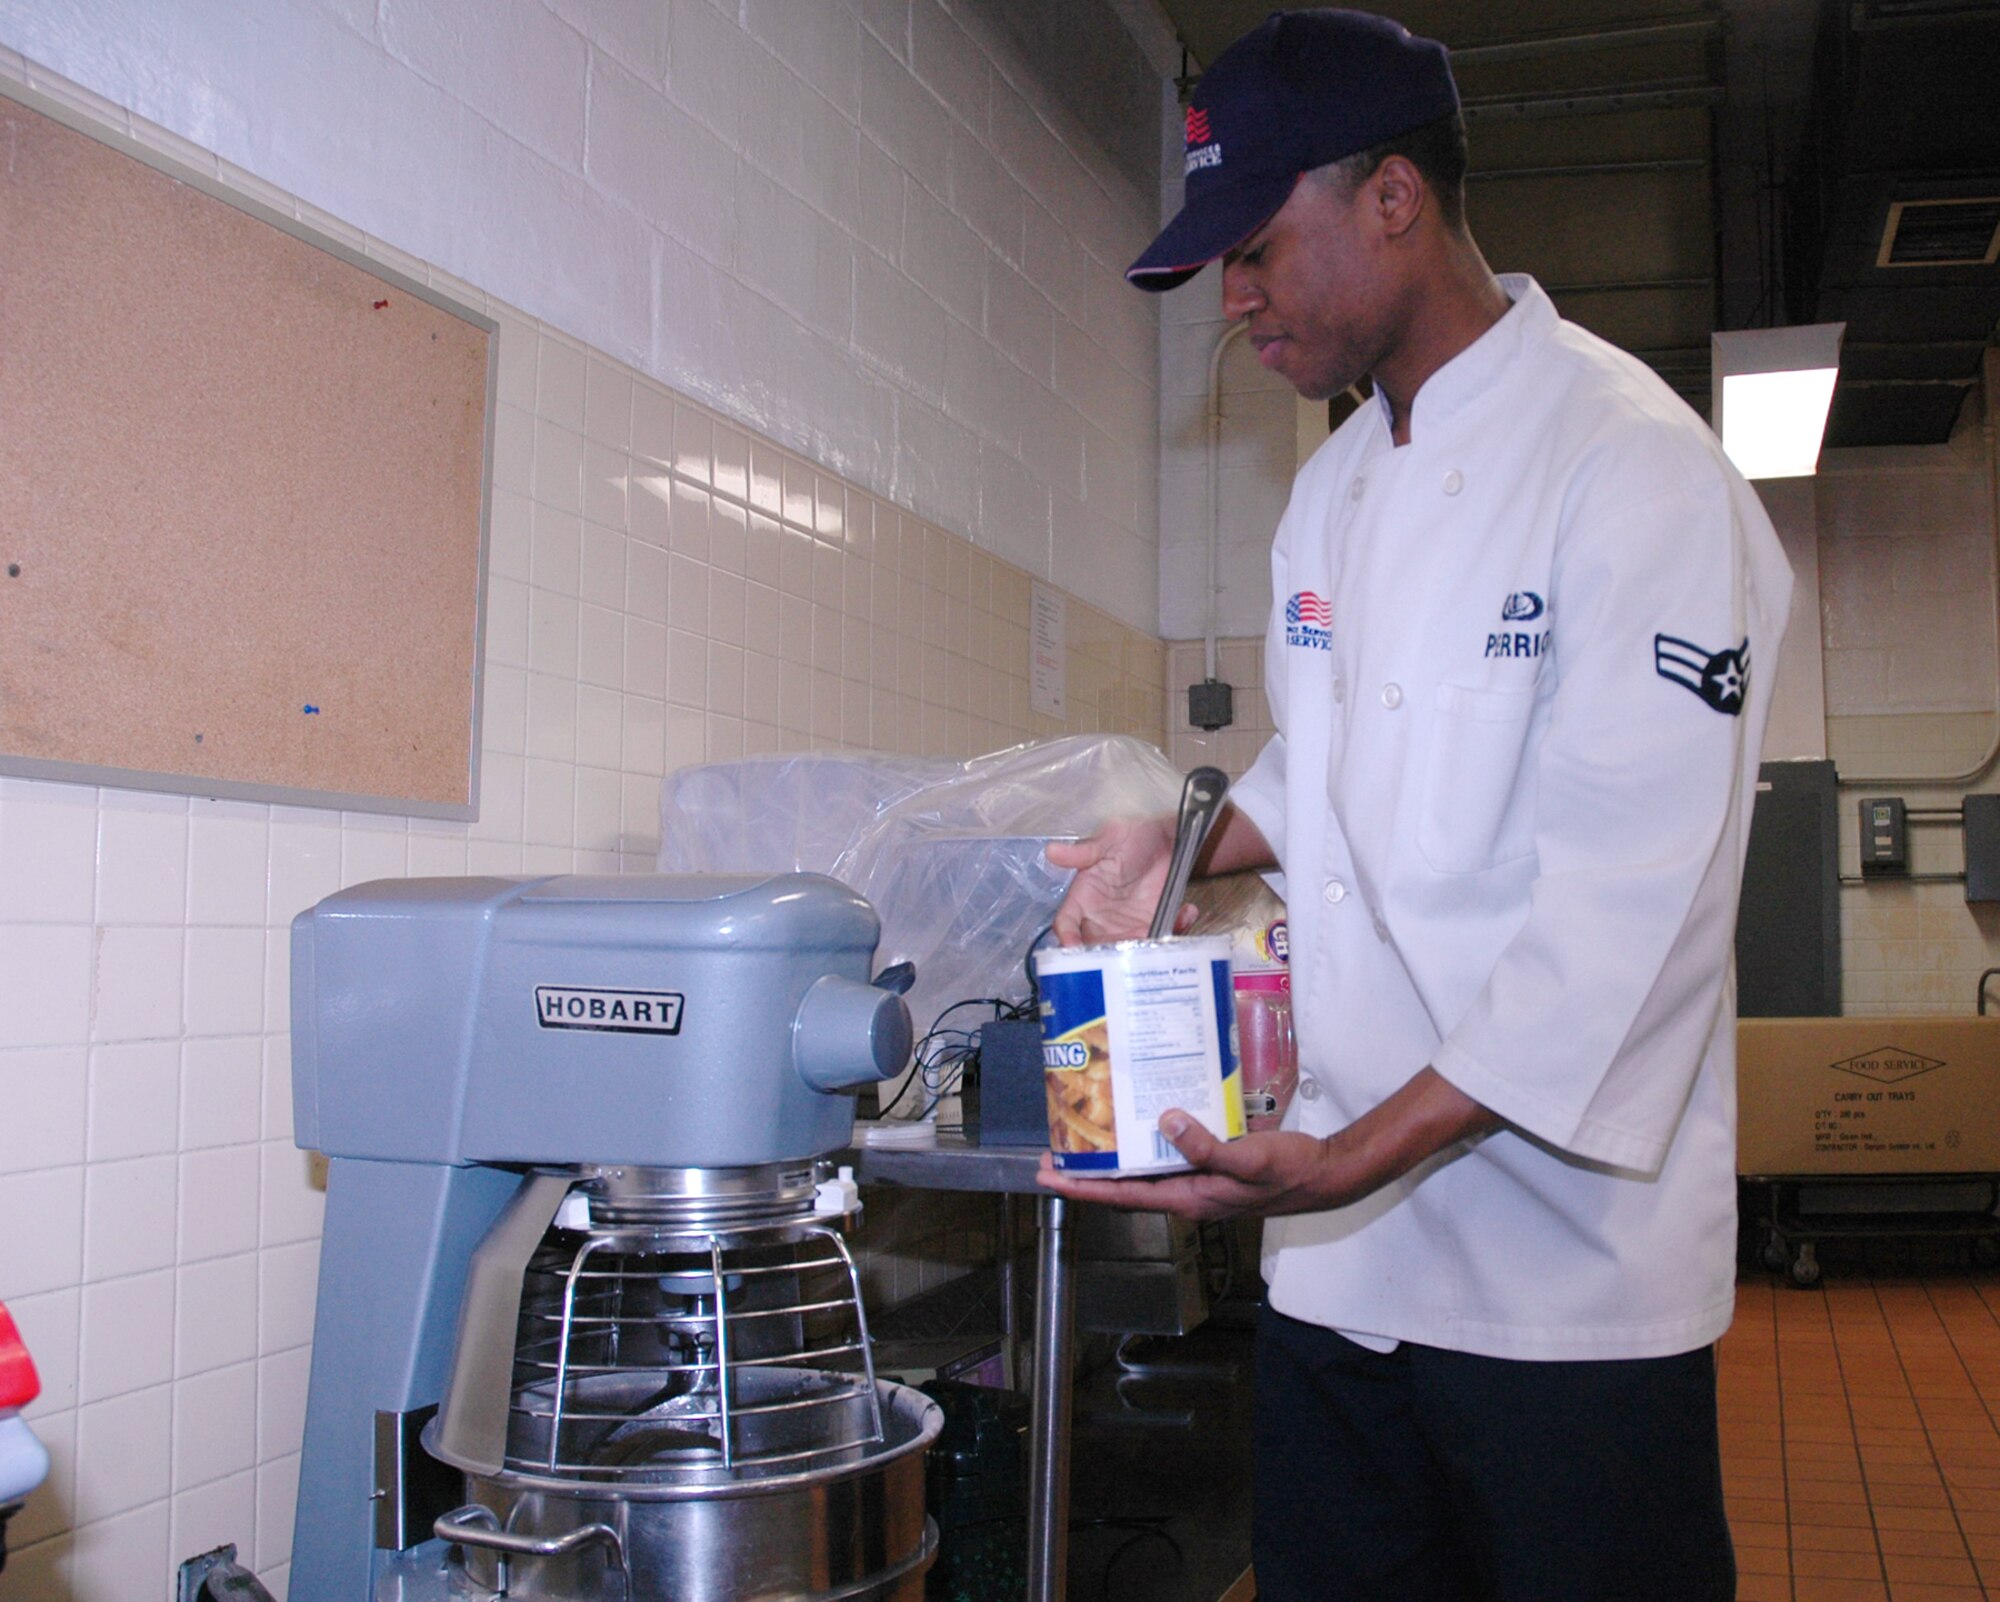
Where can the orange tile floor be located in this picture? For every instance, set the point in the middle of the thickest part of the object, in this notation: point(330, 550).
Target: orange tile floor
point(1861, 1437)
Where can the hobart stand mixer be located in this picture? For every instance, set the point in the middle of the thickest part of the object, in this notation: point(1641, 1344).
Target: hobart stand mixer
point(587, 1327)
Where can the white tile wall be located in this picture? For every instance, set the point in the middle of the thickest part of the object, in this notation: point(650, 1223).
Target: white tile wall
point(121, 1323)
point(790, 208)
point(46, 1093)
point(665, 587)
point(134, 1099)
point(215, 1320)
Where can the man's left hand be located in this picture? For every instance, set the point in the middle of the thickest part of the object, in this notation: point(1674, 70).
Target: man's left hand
point(1269, 1172)
point(1259, 1175)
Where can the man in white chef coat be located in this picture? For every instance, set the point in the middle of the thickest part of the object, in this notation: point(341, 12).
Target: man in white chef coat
point(1524, 620)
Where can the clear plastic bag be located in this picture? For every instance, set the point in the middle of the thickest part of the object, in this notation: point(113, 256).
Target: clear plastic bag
point(949, 853)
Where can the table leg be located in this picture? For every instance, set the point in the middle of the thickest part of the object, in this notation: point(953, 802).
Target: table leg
point(1010, 1295)
point(1048, 1442)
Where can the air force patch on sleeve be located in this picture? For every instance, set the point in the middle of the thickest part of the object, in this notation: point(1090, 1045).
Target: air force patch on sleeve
point(1720, 678)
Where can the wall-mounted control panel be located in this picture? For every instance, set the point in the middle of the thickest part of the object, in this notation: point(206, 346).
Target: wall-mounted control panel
point(1885, 836)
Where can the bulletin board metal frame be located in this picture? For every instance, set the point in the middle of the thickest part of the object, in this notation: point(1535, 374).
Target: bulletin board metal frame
point(424, 763)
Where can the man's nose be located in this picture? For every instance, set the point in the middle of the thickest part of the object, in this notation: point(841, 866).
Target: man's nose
point(1240, 294)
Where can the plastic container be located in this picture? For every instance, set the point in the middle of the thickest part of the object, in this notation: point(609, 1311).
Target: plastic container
point(1128, 1031)
point(24, 1461)
point(1269, 1052)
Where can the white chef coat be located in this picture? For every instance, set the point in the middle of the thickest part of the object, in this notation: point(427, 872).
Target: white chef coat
point(1510, 794)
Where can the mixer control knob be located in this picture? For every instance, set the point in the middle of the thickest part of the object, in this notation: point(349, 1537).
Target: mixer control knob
point(848, 1034)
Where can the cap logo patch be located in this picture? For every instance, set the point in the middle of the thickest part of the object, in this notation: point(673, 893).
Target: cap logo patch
point(1202, 149)
point(1298, 90)
point(1720, 678)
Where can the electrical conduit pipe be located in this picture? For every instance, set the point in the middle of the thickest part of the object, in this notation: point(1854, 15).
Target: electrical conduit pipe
point(1214, 601)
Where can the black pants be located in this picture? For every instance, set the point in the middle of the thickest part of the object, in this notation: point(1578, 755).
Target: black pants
point(1422, 1475)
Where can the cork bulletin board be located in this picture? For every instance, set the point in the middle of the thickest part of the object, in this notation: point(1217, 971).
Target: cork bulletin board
point(243, 491)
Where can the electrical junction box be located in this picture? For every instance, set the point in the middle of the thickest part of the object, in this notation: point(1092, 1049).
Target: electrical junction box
point(1982, 848)
point(1211, 704)
point(1885, 836)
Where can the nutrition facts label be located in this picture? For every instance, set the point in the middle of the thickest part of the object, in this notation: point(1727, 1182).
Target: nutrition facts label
point(1170, 1041)
point(1129, 1032)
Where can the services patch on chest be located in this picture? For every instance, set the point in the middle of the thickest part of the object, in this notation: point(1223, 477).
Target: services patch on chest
point(1309, 621)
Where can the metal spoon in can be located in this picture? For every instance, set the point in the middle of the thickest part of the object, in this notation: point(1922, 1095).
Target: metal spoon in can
point(1201, 801)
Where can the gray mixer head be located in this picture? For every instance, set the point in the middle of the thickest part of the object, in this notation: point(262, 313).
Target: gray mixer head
point(658, 1020)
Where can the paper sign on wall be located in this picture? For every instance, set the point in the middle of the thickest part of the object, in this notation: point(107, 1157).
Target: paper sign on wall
point(1048, 655)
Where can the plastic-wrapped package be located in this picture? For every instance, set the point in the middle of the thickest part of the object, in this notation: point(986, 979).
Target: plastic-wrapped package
point(949, 853)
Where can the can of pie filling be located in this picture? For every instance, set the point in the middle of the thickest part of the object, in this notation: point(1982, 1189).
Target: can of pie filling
point(1129, 1030)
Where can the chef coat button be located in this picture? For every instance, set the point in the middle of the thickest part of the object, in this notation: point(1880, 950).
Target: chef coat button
point(1454, 481)
point(1392, 696)
point(1334, 893)
point(1308, 1087)
point(1356, 489)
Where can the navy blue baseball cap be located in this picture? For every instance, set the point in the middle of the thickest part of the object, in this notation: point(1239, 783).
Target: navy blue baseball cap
point(1302, 89)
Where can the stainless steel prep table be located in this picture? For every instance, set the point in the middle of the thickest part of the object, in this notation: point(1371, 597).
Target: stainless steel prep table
point(952, 1163)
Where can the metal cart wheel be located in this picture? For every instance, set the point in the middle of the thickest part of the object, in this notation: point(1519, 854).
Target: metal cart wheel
point(1805, 1266)
point(1776, 1254)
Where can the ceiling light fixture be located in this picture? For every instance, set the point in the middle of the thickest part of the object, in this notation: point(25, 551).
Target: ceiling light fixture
point(1772, 388)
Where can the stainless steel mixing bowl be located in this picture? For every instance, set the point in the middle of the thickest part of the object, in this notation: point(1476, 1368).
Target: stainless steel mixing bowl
point(840, 1526)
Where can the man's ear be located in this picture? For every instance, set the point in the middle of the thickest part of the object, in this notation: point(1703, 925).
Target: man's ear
point(1400, 195)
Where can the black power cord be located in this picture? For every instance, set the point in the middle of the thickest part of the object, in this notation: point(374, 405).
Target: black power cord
point(944, 1055)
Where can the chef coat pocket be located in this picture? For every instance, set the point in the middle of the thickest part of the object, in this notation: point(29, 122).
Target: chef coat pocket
point(1476, 810)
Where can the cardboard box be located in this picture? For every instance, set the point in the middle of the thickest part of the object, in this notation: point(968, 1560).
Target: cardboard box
point(1867, 1096)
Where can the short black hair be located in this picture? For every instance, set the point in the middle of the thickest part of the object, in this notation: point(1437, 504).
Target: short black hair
point(1436, 149)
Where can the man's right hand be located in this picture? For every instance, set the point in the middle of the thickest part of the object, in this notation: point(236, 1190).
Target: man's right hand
point(1120, 872)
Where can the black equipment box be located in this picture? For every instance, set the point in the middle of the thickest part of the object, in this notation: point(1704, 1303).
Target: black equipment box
point(1005, 1105)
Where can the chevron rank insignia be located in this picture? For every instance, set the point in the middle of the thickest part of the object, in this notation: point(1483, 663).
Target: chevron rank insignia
point(1720, 678)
